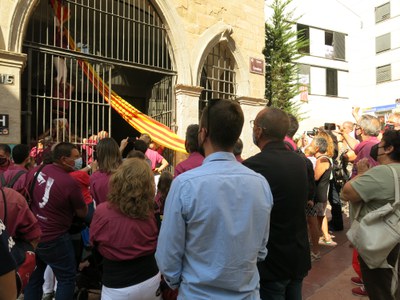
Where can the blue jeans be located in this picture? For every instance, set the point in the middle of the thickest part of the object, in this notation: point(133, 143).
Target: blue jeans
point(59, 255)
point(281, 290)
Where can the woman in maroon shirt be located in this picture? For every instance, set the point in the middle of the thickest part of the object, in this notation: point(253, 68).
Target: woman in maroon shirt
point(124, 230)
point(108, 159)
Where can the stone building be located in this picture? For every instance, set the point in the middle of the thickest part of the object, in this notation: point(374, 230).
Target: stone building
point(165, 58)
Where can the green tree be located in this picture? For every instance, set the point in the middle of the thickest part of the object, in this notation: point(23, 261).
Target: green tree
point(282, 45)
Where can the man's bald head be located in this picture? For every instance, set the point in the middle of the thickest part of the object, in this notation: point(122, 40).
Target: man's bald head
point(274, 123)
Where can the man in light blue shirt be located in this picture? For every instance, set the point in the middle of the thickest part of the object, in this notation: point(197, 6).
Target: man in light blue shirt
point(216, 218)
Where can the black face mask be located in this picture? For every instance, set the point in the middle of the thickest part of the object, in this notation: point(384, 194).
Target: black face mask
point(374, 152)
point(3, 161)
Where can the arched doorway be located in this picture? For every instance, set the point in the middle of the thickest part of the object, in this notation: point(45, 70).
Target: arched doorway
point(126, 44)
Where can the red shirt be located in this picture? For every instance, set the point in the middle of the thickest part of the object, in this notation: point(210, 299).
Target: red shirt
point(20, 223)
point(119, 237)
point(55, 198)
point(83, 179)
point(99, 186)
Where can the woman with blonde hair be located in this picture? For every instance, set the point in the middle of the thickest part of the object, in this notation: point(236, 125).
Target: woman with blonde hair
point(108, 159)
point(124, 231)
point(331, 153)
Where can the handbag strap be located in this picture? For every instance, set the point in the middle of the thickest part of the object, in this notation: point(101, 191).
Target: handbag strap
point(396, 187)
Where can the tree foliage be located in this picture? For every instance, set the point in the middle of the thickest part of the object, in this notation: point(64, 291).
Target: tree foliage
point(282, 44)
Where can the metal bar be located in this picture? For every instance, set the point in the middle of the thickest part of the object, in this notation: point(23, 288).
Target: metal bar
point(128, 26)
point(88, 57)
point(123, 30)
point(139, 35)
point(112, 29)
point(134, 44)
point(110, 100)
point(118, 36)
point(106, 33)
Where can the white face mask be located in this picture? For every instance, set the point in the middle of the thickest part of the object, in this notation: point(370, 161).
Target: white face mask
point(78, 163)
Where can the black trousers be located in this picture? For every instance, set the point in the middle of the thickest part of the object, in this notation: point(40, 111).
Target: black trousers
point(336, 222)
point(378, 282)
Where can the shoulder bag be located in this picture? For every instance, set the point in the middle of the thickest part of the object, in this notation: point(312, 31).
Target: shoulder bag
point(378, 232)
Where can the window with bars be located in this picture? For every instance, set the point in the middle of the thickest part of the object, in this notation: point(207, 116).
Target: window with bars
point(383, 73)
point(382, 12)
point(382, 43)
point(218, 75)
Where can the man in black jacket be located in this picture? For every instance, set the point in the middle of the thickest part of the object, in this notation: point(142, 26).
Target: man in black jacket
point(288, 259)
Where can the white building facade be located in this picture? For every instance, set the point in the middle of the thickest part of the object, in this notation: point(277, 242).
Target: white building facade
point(352, 59)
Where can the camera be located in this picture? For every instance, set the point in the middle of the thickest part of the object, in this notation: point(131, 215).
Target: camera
point(329, 126)
point(131, 140)
point(312, 132)
point(389, 126)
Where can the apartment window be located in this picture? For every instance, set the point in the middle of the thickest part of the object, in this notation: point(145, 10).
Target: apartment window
point(331, 82)
point(383, 73)
point(303, 32)
point(382, 12)
point(334, 45)
point(382, 43)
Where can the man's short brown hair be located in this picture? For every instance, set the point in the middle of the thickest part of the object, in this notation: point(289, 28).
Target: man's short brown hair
point(223, 120)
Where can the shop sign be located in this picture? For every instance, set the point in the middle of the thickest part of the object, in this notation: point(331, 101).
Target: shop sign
point(4, 130)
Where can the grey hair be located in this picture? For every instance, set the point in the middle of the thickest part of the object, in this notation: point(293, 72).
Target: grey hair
point(370, 125)
point(321, 143)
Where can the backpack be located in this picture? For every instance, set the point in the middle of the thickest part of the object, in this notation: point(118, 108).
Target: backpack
point(13, 180)
point(339, 171)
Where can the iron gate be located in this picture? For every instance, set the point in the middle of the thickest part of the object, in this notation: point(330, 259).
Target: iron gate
point(61, 101)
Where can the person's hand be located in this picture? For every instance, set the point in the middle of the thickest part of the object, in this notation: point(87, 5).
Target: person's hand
point(94, 166)
point(123, 144)
point(363, 165)
point(355, 112)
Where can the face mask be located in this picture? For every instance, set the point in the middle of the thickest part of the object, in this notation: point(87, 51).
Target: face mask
point(3, 160)
point(374, 152)
point(78, 164)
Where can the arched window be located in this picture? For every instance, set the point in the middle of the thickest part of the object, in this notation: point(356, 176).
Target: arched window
point(218, 75)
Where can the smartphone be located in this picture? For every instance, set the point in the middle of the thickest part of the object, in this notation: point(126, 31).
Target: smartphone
point(329, 126)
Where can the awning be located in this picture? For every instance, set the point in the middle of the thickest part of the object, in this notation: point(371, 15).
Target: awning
point(375, 109)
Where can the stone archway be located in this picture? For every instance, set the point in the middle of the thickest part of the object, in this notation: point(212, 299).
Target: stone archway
point(211, 37)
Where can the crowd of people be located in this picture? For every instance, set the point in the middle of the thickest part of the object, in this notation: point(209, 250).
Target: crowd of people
point(218, 227)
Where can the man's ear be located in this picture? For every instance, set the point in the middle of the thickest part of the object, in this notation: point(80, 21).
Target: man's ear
point(388, 149)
